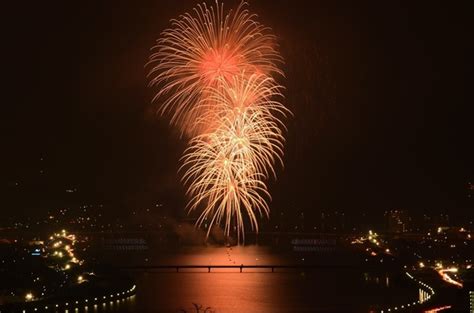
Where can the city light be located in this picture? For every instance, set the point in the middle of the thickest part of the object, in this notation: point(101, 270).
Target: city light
point(444, 273)
point(29, 296)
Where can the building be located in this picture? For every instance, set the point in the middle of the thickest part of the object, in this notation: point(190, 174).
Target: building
point(397, 221)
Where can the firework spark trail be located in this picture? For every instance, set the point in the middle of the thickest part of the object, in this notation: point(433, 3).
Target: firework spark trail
point(225, 180)
point(202, 48)
point(245, 109)
point(255, 92)
point(215, 74)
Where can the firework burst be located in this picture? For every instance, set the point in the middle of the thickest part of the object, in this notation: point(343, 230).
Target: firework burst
point(245, 110)
point(215, 74)
point(203, 48)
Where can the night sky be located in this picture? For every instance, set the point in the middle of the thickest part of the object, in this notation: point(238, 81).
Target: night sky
point(379, 90)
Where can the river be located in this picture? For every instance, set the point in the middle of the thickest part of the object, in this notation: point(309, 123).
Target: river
point(345, 288)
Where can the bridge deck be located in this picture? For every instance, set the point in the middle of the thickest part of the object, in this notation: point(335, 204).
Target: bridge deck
point(240, 267)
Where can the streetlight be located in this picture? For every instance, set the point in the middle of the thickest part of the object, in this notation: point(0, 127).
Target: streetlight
point(29, 296)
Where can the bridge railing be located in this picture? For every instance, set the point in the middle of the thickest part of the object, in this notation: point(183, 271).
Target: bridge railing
point(239, 267)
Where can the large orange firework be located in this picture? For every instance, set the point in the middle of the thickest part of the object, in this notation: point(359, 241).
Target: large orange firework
point(203, 48)
point(215, 74)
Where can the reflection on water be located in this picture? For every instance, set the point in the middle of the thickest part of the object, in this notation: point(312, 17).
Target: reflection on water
point(381, 280)
point(256, 290)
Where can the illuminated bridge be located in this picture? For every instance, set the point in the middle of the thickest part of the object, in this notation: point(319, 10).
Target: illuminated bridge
point(241, 267)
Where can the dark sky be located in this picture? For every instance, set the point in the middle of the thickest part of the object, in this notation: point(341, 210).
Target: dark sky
point(379, 91)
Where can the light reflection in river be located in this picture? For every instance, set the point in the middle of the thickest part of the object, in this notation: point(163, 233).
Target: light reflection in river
point(255, 290)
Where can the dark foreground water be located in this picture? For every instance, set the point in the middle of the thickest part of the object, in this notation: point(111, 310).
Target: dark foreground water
point(342, 289)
